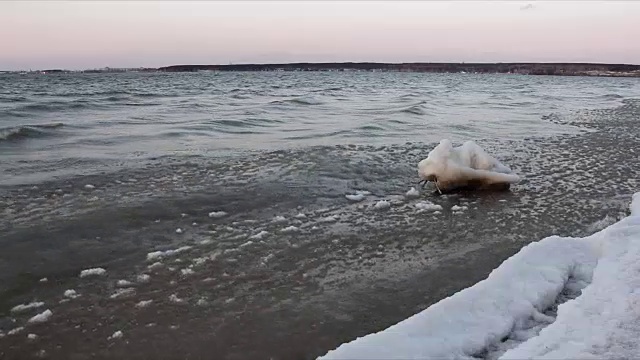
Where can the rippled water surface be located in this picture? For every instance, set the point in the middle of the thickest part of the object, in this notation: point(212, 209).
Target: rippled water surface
point(75, 122)
point(216, 202)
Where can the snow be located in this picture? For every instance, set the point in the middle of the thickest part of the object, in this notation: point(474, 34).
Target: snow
point(412, 193)
point(93, 272)
point(71, 294)
point(382, 205)
point(515, 304)
point(155, 255)
point(427, 206)
point(24, 307)
point(217, 214)
point(42, 317)
point(467, 164)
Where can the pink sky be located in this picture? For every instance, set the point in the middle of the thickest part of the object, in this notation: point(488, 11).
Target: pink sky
point(92, 34)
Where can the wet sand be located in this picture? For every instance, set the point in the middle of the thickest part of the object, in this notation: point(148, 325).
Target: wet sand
point(345, 270)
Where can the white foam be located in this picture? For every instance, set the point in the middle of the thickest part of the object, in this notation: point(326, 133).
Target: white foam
point(455, 167)
point(25, 307)
point(93, 272)
point(602, 322)
point(217, 214)
point(42, 317)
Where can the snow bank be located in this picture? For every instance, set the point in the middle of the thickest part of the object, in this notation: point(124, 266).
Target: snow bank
point(603, 322)
point(466, 165)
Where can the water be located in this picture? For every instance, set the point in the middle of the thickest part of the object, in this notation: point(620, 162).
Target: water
point(191, 146)
point(60, 125)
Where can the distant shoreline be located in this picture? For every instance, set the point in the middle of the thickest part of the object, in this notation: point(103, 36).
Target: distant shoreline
point(558, 69)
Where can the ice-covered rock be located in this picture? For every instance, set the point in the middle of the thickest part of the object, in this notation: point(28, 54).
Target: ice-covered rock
point(465, 166)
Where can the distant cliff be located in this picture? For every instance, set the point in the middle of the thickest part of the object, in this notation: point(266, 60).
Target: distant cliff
point(567, 69)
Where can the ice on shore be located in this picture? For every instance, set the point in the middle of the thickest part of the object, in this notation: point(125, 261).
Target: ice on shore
point(40, 318)
point(501, 316)
point(24, 307)
point(93, 272)
point(467, 165)
point(217, 214)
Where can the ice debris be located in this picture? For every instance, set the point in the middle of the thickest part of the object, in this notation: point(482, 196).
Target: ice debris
point(24, 307)
point(93, 272)
point(42, 317)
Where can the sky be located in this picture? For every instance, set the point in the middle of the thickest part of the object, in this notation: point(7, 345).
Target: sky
point(95, 34)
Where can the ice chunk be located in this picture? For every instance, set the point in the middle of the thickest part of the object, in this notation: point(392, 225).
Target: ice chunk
point(15, 331)
point(89, 187)
point(300, 216)
point(187, 271)
point(122, 293)
point(71, 294)
point(259, 235)
point(427, 206)
point(202, 302)
point(289, 229)
point(116, 335)
point(279, 219)
point(217, 214)
point(143, 303)
point(458, 208)
point(32, 336)
point(155, 255)
point(412, 193)
point(25, 307)
point(464, 166)
point(44, 280)
point(358, 196)
point(123, 283)
point(179, 231)
point(382, 205)
point(143, 278)
point(175, 299)
point(42, 317)
point(93, 272)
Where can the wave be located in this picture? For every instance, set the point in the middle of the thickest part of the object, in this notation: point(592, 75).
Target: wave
point(27, 131)
point(297, 101)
